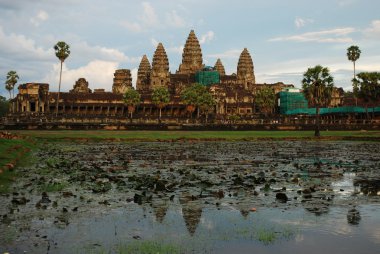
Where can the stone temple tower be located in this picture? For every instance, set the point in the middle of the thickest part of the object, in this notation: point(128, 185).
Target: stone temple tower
point(160, 75)
point(219, 67)
point(192, 56)
point(143, 75)
point(122, 81)
point(245, 73)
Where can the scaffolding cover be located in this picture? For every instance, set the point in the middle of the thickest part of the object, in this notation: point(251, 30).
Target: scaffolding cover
point(291, 101)
point(207, 78)
point(338, 110)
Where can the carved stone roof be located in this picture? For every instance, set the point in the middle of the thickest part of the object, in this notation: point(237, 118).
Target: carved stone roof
point(219, 67)
point(160, 63)
point(122, 81)
point(192, 55)
point(245, 73)
point(77, 97)
point(81, 86)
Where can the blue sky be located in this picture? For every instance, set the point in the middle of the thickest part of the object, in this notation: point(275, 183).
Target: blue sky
point(283, 37)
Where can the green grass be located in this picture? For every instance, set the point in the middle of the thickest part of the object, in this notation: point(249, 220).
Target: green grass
point(169, 135)
point(266, 236)
point(16, 152)
point(148, 247)
point(53, 187)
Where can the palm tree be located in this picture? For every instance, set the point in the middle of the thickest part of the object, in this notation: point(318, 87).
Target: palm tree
point(317, 86)
point(132, 99)
point(9, 88)
point(12, 79)
point(160, 97)
point(190, 96)
point(353, 54)
point(62, 51)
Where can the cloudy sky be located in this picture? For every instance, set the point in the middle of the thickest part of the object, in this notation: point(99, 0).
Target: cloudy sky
point(283, 37)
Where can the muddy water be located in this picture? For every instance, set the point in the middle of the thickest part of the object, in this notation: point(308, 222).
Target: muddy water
point(203, 197)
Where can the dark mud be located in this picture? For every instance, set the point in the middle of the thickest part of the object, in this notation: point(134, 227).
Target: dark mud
point(201, 197)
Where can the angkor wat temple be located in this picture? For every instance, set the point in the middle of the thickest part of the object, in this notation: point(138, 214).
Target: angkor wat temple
point(234, 94)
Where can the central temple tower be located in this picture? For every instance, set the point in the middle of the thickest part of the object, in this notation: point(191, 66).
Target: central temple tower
point(192, 56)
point(245, 73)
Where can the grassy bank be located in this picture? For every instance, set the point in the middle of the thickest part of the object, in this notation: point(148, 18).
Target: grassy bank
point(200, 135)
point(13, 152)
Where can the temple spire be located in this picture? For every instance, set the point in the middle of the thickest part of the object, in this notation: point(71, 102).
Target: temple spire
point(192, 55)
point(219, 67)
point(160, 75)
point(245, 72)
point(143, 75)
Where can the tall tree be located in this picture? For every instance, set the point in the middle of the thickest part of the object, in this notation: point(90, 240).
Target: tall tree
point(132, 99)
point(206, 102)
point(353, 54)
point(198, 96)
point(62, 51)
point(11, 81)
point(4, 106)
point(369, 87)
point(266, 99)
point(9, 88)
point(317, 86)
point(160, 98)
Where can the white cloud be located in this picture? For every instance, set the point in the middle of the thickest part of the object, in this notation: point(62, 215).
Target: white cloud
point(19, 47)
point(300, 22)
point(209, 36)
point(173, 19)
point(147, 19)
point(232, 53)
point(132, 26)
point(346, 2)
point(177, 50)
point(39, 18)
point(338, 35)
point(99, 74)
point(87, 53)
point(154, 42)
point(149, 16)
point(134, 76)
point(373, 30)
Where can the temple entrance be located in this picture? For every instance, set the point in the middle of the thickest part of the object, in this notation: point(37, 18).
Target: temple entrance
point(32, 107)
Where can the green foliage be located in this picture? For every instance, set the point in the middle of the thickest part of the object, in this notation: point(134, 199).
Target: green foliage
point(160, 97)
point(132, 97)
point(53, 187)
point(148, 247)
point(266, 236)
point(62, 50)
point(368, 85)
point(234, 118)
point(16, 152)
point(190, 94)
point(198, 95)
point(353, 53)
point(266, 99)
point(4, 106)
point(98, 135)
point(318, 85)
